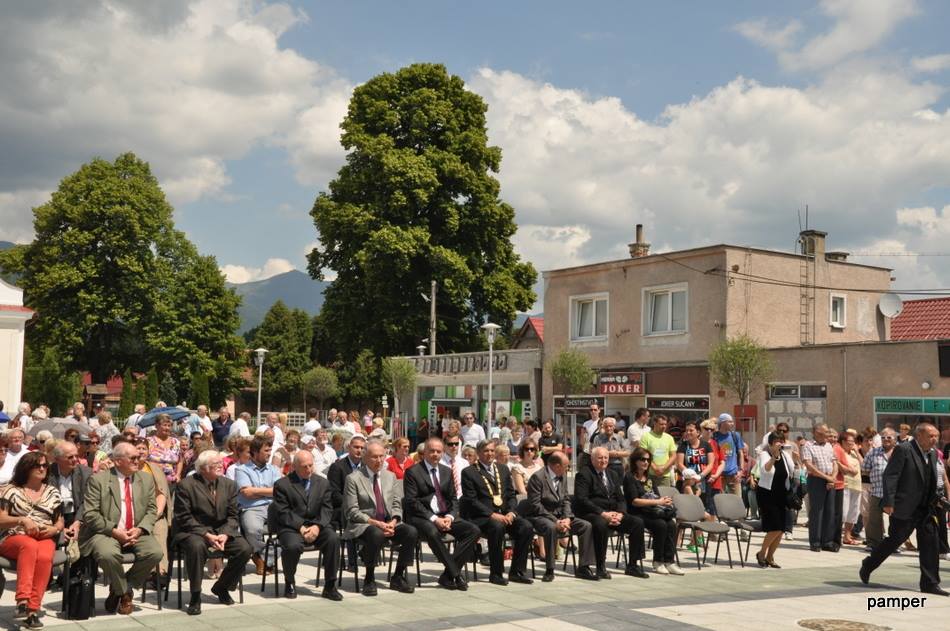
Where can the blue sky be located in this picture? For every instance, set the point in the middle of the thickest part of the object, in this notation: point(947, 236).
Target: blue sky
point(706, 121)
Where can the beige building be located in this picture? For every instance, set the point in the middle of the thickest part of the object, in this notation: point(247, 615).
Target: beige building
point(13, 319)
point(650, 321)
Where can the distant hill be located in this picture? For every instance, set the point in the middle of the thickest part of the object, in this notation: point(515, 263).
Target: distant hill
point(6, 245)
point(295, 288)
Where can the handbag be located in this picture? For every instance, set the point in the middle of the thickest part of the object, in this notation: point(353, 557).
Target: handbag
point(661, 511)
point(793, 497)
point(72, 551)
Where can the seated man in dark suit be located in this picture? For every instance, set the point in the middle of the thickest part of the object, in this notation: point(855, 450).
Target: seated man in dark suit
point(302, 510)
point(598, 498)
point(549, 509)
point(430, 506)
point(337, 473)
point(372, 507)
point(489, 501)
point(206, 516)
point(71, 477)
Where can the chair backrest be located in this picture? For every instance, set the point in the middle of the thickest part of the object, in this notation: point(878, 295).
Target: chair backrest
point(667, 491)
point(689, 507)
point(729, 506)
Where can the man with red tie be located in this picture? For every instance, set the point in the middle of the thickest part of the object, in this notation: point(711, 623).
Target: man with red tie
point(119, 517)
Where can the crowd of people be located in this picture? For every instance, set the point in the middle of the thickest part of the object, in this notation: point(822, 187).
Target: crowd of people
point(211, 491)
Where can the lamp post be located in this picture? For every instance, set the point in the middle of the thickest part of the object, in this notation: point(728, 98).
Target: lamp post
point(490, 330)
point(259, 360)
point(422, 350)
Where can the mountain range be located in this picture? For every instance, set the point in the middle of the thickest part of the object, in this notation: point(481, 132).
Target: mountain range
point(295, 288)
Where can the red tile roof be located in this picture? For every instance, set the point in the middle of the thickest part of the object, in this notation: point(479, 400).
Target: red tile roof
point(538, 324)
point(16, 309)
point(927, 319)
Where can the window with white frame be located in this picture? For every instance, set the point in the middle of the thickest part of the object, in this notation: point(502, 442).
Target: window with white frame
point(665, 309)
point(589, 317)
point(838, 311)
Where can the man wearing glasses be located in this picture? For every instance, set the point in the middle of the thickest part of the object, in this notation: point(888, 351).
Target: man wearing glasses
point(874, 466)
point(454, 461)
point(471, 433)
point(119, 517)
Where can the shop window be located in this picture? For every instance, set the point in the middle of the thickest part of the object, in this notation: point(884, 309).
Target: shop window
point(589, 317)
point(522, 393)
point(838, 311)
point(798, 391)
point(665, 310)
point(783, 392)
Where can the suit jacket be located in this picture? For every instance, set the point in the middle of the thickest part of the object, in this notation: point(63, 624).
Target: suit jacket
point(80, 477)
point(292, 508)
point(102, 506)
point(359, 501)
point(198, 513)
point(590, 495)
point(905, 478)
point(477, 501)
point(419, 491)
point(544, 500)
point(337, 473)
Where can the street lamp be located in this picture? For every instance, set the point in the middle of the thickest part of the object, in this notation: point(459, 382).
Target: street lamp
point(490, 329)
point(259, 360)
point(422, 350)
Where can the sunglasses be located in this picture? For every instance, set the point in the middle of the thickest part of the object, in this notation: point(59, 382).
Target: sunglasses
point(41, 465)
point(644, 459)
point(530, 448)
point(93, 442)
point(451, 444)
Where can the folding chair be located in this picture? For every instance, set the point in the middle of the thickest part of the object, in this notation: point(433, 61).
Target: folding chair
point(689, 514)
point(175, 555)
point(731, 511)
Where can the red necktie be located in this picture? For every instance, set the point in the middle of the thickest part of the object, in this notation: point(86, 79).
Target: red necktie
point(380, 505)
point(129, 524)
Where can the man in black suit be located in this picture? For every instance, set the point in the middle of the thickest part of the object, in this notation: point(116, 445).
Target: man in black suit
point(429, 504)
point(489, 501)
point(337, 473)
point(302, 512)
point(206, 518)
point(598, 498)
point(910, 498)
point(71, 477)
point(549, 509)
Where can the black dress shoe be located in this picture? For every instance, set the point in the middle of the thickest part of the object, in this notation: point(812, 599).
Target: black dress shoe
point(830, 548)
point(584, 572)
point(864, 573)
point(399, 583)
point(330, 592)
point(194, 607)
point(603, 574)
point(935, 590)
point(223, 596)
point(484, 559)
point(369, 588)
point(815, 548)
point(548, 577)
point(497, 579)
point(518, 577)
point(447, 582)
point(461, 584)
point(112, 602)
point(290, 591)
point(634, 570)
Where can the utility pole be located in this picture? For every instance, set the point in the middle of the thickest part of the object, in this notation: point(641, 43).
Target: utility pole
point(432, 320)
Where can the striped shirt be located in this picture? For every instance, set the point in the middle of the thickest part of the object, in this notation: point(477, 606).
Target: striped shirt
point(822, 457)
point(874, 465)
point(44, 512)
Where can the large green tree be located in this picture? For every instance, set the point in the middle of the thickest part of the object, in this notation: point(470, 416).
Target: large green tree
point(415, 202)
point(287, 335)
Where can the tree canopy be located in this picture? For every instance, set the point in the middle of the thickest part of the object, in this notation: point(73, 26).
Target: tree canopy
point(287, 335)
point(571, 372)
point(416, 202)
point(740, 365)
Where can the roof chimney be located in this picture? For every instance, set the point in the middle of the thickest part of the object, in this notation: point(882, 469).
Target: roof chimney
point(640, 248)
point(813, 243)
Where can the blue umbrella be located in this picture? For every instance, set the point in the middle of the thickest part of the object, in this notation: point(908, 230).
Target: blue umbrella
point(148, 419)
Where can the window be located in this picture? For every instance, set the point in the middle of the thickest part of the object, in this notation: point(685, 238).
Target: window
point(589, 317)
point(798, 391)
point(838, 311)
point(665, 310)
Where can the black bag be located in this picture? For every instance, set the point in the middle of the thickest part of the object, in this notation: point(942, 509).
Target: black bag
point(82, 591)
point(793, 497)
point(661, 512)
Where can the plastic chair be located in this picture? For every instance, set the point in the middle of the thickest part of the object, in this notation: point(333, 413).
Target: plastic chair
point(689, 514)
point(731, 511)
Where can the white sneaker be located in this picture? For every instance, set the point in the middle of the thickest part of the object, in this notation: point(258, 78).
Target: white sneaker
point(674, 569)
point(659, 568)
point(789, 537)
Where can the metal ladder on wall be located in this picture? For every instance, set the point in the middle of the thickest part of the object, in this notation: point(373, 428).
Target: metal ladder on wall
point(807, 300)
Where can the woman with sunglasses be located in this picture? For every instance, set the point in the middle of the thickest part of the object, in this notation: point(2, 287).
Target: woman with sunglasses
point(644, 502)
point(30, 521)
point(528, 465)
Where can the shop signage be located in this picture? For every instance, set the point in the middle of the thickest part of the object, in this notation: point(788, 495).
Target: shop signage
point(620, 383)
point(577, 403)
point(678, 403)
point(455, 364)
point(909, 405)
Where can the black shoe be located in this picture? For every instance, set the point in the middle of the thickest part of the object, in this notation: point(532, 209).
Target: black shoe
point(369, 588)
point(518, 577)
point(33, 621)
point(864, 573)
point(484, 559)
point(330, 592)
point(935, 590)
point(194, 607)
point(548, 577)
point(22, 612)
point(461, 584)
point(584, 572)
point(634, 570)
point(497, 579)
point(223, 596)
point(815, 548)
point(603, 574)
point(447, 582)
point(400, 584)
point(112, 602)
point(830, 548)
point(290, 591)
point(761, 560)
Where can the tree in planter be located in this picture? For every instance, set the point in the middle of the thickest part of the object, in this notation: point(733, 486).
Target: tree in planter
point(320, 383)
point(740, 365)
point(399, 378)
point(570, 372)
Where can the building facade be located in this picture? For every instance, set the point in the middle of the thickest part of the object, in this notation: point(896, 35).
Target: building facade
point(13, 319)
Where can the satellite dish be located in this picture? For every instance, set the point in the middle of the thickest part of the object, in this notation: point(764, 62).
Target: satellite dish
point(890, 305)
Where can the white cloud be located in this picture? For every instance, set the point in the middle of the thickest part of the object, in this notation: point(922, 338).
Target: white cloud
point(16, 216)
point(858, 26)
point(551, 247)
point(243, 274)
point(186, 85)
point(933, 63)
